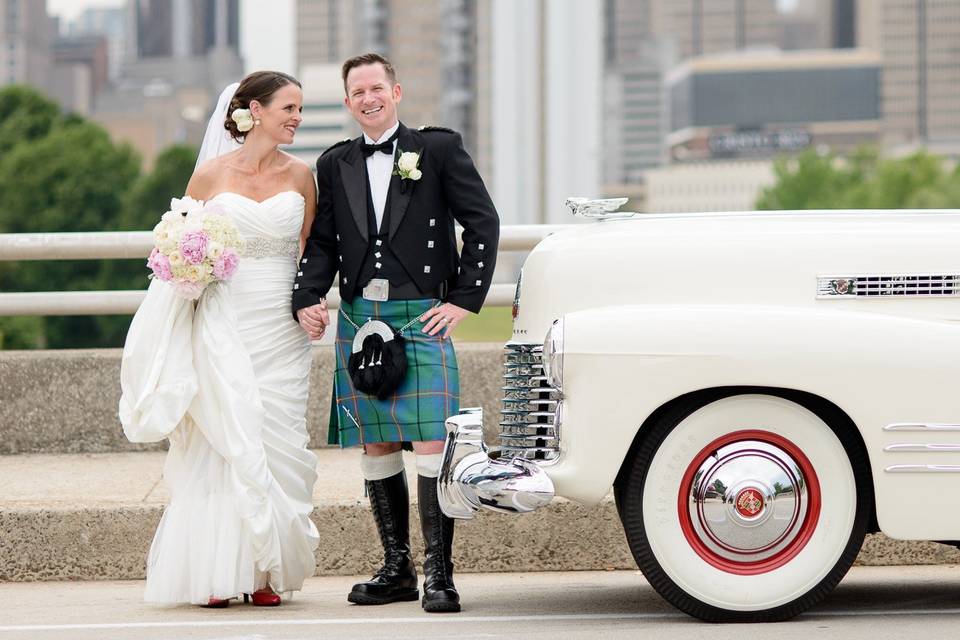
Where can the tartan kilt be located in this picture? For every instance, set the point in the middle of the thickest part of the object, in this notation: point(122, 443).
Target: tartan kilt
point(428, 395)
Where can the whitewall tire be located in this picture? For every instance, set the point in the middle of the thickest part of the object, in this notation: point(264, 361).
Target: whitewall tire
point(748, 508)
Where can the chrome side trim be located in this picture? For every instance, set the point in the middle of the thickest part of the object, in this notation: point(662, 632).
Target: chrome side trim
point(923, 468)
point(921, 426)
point(925, 448)
point(472, 478)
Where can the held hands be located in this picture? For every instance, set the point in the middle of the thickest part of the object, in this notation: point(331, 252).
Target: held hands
point(314, 319)
point(445, 317)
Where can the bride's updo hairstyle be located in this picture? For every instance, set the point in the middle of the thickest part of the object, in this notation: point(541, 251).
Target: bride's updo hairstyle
point(259, 86)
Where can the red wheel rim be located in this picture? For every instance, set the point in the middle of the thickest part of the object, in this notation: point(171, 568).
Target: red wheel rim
point(748, 502)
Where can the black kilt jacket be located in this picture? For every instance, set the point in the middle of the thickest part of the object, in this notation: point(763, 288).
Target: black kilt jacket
point(422, 217)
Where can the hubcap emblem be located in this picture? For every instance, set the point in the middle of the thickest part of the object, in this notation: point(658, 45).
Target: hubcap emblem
point(749, 503)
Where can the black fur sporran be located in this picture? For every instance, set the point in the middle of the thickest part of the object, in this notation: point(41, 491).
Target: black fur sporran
point(378, 363)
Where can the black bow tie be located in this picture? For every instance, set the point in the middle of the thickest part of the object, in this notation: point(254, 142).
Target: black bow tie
point(386, 146)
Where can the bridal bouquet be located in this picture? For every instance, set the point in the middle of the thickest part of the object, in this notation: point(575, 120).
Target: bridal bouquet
point(195, 245)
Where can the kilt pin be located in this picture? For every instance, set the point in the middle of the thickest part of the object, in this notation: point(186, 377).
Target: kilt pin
point(414, 248)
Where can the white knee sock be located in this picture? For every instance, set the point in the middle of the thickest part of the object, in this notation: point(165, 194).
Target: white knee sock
point(381, 467)
point(428, 466)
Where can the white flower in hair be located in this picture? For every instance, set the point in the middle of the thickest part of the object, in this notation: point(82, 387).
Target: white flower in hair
point(243, 118)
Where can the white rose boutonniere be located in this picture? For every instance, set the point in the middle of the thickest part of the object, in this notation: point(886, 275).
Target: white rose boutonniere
point(407, 165)
point(243, 118)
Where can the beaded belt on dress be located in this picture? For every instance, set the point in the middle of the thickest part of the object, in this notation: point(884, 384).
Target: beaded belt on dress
point(260, 247)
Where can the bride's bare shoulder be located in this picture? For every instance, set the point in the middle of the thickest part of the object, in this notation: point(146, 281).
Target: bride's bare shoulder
point(297, 168)
point(205, 177)
point(294, 165)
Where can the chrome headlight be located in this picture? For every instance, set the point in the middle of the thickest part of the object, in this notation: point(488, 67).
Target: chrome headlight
point(553, 355)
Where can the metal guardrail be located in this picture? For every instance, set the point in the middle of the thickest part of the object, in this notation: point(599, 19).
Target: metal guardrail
point(137, 244)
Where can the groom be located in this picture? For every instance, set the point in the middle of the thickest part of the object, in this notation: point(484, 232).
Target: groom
point(387, 204)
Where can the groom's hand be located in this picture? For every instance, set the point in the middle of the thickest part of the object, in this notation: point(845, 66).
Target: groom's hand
point(314, 319)
point(443, 318)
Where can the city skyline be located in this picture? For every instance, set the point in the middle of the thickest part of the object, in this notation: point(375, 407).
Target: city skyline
point(637, 88)
point(267, 30)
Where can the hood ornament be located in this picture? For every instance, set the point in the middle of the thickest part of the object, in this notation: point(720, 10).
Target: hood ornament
point(599, 208)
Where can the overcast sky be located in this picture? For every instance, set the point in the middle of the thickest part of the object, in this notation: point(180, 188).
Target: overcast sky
point(266, 29)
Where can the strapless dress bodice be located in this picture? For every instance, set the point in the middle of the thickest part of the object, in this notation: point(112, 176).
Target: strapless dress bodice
point(270, 227)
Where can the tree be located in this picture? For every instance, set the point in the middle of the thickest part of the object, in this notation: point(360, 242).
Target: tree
point(25, 115)
point(150, 196)
point(21, 333)
point(72, 178)
point(862, 181)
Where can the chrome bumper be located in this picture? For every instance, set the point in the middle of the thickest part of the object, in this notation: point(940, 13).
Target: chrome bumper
point(471, 477)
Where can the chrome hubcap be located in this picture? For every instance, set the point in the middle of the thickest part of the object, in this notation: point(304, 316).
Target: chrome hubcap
point(748, 501)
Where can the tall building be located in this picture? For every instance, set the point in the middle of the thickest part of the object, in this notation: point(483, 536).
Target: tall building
point(432, 44)
point(636, 113)
point(80, 72)
point(820, 24)
point(180, 54)
point(109, 23)
point(706, 27)
point(326, 120)
point(761, 104)
point(458, 83)
point(183, 28)
point(415, 46)
point(26, 40)
point(918, 44)
point(328, 31)
point(843, 24)
point(643, 40)
point(546, 102)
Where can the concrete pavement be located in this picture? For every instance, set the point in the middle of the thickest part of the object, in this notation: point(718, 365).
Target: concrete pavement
point(872, 603)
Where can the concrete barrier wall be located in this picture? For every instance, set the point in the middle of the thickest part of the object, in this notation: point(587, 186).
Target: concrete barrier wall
point(66, 401)
point(58, 402)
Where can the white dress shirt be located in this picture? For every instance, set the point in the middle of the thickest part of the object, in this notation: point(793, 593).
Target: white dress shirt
point(379, 170)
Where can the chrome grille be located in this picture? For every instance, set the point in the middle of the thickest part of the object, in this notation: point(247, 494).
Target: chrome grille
point(926, 285)
point(528, 426)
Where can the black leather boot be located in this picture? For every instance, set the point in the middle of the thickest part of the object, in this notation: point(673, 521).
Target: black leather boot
point(397, 579)
point(439, 593)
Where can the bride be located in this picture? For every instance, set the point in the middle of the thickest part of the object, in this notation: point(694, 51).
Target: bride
point(227, 382)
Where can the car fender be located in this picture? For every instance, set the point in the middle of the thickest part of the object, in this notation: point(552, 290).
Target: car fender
point(623, 362)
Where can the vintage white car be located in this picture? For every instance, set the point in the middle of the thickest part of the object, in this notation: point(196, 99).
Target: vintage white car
point(759, 389)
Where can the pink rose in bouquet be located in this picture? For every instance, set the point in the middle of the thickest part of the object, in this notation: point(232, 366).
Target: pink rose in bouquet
point(193, 246)
point(160, 265)
point(224, 267)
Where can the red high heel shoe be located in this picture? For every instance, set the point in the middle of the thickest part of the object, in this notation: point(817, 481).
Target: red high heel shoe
point(263, 598)
point(216, 603)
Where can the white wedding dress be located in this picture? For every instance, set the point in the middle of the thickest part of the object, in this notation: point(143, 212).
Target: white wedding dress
point(227, 383)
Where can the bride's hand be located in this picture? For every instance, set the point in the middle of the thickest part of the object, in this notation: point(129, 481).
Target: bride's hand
point(314, 319)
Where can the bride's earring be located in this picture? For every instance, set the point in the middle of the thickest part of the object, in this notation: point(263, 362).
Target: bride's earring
point(256, 122)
